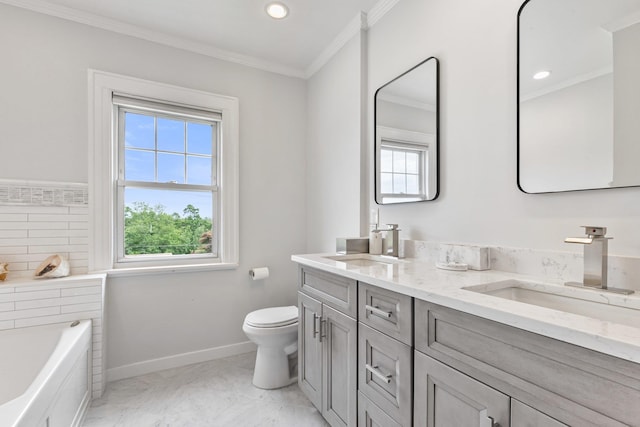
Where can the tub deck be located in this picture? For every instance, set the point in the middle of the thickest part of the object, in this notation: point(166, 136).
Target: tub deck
point(35, 364)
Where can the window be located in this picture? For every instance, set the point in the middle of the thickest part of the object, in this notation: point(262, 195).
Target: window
point(402, 167)
point(407, 164)
point(164, 175)
point(167, 163)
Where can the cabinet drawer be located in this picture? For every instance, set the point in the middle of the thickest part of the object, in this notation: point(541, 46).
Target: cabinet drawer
point(525, 416)
point(560, 379)
point(335, 291)
point(386, 311)
point(370, 415)
point(385, 373)
point(446, 397)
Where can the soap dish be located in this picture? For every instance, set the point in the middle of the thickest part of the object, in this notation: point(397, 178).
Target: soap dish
point(454, 266)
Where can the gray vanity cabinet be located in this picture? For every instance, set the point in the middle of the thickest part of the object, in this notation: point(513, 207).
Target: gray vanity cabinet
point(368, 356)
point(327, 345)
point(385, 370)
point(446, 397)
point(546, 382)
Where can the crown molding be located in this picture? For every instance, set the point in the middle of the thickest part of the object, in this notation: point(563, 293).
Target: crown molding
point(622, 23)
point(356, 25)
point(108, 24)
point(379, 10)
point(412, 103)
point(362, 21)
point(581, 78)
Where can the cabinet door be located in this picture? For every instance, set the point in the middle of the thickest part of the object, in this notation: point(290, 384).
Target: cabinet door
point(310, 349)
point(525, 416)
point(444, 397)
point(339, 339)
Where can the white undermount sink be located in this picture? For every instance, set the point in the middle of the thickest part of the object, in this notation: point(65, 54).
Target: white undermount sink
point(585, 302)
point(364, 260)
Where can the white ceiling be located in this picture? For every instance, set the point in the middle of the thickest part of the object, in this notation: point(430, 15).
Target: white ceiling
point(416, 88)
point(572, 38)
point(232, 29)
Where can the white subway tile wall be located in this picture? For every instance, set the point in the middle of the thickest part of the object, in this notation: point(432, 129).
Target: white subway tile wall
point(40, 219)
point(46, 301)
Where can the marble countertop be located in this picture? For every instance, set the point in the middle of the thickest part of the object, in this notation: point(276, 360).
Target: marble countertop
point(424, 281)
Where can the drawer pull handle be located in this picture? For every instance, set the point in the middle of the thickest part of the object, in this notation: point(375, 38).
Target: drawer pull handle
point(378, 312)
point(375, 371)
point(322, 321)
point(315, 329)
point(486, 420)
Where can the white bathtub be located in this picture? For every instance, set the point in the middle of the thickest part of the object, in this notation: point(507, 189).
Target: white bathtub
point(45, 374)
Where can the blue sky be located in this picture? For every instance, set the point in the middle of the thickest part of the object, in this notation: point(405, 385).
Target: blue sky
point(183, 155)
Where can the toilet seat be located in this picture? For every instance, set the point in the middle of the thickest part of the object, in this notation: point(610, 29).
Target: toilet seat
point(272, 317)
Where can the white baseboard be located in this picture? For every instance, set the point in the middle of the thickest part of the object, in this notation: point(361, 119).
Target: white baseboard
point(178, 360)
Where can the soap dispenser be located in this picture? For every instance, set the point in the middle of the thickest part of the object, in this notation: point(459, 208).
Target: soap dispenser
point(375, 242)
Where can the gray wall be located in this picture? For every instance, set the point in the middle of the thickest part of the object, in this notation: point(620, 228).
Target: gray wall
point(566, 137)
point(404, 117)
point(479, 201)
point(44, 137)
point(626, 65)
point(334, 172)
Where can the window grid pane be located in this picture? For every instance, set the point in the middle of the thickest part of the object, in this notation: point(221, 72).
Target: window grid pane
point(140, 132)
point(168, 221)
point(400, 171)
point(173, 142)
point(171, 135)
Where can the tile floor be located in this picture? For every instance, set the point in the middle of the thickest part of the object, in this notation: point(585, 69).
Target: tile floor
point(215, 393)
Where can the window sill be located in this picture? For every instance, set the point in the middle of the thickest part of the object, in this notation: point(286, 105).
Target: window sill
point(163, 269)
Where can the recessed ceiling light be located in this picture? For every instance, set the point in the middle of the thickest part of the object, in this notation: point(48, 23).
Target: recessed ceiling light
point(542, 75)
point(277, 10)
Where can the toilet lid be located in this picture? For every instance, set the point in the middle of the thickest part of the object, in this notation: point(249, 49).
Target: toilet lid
point(272, 317)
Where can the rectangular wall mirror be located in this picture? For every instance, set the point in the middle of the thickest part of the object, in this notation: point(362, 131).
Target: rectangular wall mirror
point(406, 136)
point(578, 95)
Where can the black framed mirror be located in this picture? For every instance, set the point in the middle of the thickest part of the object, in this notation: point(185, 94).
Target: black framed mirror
point(406, 139)
point(578, 95)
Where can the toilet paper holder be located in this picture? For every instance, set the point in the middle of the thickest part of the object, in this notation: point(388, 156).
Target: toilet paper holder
point(259, 273)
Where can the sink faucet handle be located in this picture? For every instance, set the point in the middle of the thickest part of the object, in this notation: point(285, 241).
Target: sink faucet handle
point(582, 240)
point(595, 231)
point(393, 226)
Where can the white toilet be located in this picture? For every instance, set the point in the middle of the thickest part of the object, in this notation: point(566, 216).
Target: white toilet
point(275, 332)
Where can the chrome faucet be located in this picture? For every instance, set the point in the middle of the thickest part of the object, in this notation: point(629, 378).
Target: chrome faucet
point(595, 260)
point(391, 241)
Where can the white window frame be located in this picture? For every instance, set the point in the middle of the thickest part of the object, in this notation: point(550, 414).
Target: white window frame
point(402, 146)
point(412, 141)
point(103, 174)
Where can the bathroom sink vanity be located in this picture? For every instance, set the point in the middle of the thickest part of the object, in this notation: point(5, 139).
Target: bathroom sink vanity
point(404, 344)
